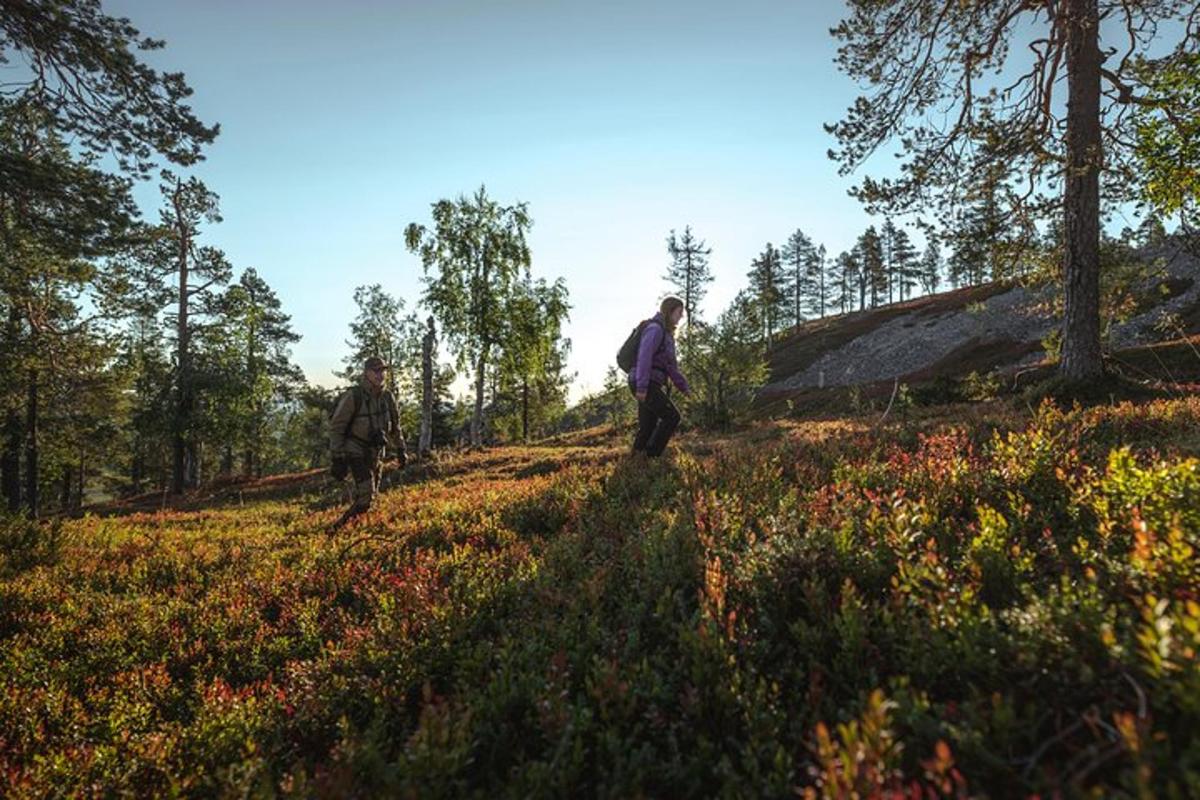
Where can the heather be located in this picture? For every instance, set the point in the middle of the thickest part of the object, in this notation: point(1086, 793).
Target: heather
point(979, 602)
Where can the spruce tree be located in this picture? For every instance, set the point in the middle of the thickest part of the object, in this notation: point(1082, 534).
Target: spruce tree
point(689, 272)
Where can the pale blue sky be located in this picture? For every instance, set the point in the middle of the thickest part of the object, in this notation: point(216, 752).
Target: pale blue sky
point(615, 122)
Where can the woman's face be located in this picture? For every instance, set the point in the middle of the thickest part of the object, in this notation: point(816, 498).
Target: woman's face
point(676, 316)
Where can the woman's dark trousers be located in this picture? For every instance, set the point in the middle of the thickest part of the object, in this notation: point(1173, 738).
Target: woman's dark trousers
point(657, 420)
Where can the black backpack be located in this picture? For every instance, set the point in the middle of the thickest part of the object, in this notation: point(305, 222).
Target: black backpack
point(627, 355)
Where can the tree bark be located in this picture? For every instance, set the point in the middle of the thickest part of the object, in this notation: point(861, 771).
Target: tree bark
point(1081, 356)
point(32, 500)
point(425, 440)
point(183, 404)
point(477, 417)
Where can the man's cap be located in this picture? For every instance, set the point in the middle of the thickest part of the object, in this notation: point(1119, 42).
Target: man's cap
point(375, 362)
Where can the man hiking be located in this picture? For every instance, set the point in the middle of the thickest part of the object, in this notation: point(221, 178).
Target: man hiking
point(656, 362)
point(364, 422)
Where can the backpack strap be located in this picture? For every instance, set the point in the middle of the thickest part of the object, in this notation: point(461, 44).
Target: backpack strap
point(356, 398)
point(661, 342)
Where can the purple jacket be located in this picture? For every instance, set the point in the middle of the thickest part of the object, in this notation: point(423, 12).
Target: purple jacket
point(653, 363)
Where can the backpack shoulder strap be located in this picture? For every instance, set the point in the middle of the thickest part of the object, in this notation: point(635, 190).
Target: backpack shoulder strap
point(356, 399)
point(662, 342)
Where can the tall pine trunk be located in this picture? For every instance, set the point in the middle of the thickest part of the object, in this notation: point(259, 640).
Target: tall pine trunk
point(183, 395)
point(1081, 357)
point(32, 499)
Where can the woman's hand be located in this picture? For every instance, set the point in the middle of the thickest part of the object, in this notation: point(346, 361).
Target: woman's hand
point(641, 396)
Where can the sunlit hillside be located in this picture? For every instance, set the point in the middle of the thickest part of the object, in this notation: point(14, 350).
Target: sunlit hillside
point(973, 602)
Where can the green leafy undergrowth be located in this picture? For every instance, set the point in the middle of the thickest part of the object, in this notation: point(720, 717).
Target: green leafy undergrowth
point(994, 609)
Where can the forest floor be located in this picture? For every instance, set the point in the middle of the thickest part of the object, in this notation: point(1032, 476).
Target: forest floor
point(981, 599)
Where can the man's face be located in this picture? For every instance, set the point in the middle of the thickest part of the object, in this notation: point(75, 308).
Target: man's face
point(375, 376)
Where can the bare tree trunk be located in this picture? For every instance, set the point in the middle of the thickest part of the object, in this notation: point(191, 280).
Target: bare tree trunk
point(425, 440)
point(1081, 357)
point(477, 417)
point(183, 408)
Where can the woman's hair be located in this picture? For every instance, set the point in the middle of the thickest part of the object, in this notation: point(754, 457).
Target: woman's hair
point(669, 304)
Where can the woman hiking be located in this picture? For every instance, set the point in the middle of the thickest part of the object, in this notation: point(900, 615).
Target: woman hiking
point(657, 415)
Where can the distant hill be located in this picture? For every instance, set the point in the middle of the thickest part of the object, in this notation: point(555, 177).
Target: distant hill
point(995, 328)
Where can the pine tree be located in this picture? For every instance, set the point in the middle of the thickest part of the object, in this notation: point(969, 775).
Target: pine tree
point(689, 272)
point(815, 274)
point(767, 288)
point(72, 74)
point(59, 217)
point(931, 267)
point(797, 256)
point(924, 68)
point(845, 280)
point(145, 370)
point(250, 312)
point(731, 364)
point(174, 254)
point(887, 248)
point(904, 263)
point(871, 266)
